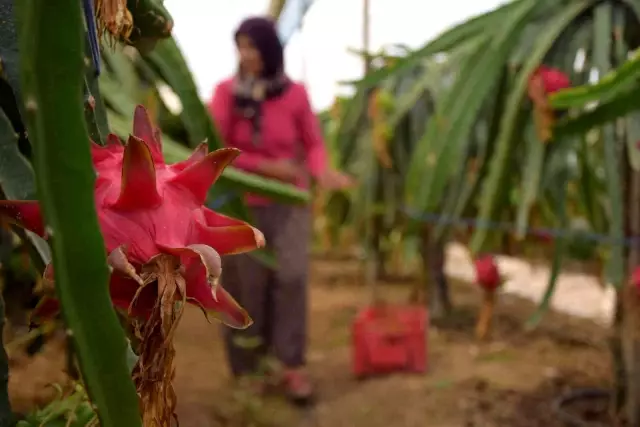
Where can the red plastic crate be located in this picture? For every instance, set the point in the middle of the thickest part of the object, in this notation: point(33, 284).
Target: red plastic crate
point(389, 339)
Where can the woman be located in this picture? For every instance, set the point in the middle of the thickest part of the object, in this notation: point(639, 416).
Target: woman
point(269, 117)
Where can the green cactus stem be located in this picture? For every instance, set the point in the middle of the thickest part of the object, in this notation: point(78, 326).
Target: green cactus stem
point(94, 111)
point(52, 38)
point(151, 22)
point(18, 183)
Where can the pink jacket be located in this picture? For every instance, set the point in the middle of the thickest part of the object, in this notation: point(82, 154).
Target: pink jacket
point(290, 130)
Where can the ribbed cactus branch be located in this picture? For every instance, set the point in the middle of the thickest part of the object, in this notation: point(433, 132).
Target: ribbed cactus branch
point(90, 116)
point(94, 109)
point(151, 22)
point(18, 183)
point(52, 38)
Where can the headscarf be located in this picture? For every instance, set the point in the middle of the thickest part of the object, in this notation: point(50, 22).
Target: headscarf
point(249, 93)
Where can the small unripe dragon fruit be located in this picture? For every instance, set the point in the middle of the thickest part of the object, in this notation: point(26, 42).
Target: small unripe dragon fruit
point(487, 274)
point(163, 246)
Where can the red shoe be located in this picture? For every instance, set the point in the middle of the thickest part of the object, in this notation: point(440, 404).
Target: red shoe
point(297, 386)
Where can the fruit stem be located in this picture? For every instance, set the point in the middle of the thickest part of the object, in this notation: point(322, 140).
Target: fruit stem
point(483, 326)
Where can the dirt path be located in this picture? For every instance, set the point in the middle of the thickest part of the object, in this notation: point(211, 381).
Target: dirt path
point(509, 383)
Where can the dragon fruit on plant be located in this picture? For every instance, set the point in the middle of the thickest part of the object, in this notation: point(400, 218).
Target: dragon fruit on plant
point(163, 246)
point(552, 79)
point(543, 82)
point(487, 274)
point(489, 279)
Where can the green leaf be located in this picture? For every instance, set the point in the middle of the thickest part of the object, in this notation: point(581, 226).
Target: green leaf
point(440, 159)
point(132, 357)
point(151, 21)
point(531, 175)
point(446, 41)
point(65, 176)
point(486, 135)
point(16, 175)
point(120, 71)
point(560, 249)
point(604, 113)
point(167, 59)
point(18, 181)
point(499, 167)
point(602, 55)
point(95, 113)
point(633, 139)
point(611, 85)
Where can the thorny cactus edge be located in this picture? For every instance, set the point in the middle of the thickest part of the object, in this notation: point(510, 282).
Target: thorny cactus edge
point(164, 248)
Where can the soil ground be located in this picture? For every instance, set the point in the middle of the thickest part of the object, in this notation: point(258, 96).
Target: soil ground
point(509, 382)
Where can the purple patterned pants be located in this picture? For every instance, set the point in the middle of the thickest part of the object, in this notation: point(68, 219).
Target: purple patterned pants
point(275, 299)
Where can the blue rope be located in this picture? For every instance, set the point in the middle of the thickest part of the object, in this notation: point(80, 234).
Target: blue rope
point(92, 34)
point(435, 218)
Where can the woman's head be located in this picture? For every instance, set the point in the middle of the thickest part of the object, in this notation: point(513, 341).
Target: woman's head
point(259, 49)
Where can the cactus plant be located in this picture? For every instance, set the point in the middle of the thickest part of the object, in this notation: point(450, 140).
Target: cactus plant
point(61, 119)
point(55, 120)
point(156, 260)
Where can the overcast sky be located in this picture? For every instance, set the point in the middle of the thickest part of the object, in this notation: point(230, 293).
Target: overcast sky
point(318, 55)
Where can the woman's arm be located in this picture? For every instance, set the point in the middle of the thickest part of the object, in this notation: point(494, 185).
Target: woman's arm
point(311, 136)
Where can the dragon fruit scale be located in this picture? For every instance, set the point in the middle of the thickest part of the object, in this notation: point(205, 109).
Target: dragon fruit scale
point(163, 247)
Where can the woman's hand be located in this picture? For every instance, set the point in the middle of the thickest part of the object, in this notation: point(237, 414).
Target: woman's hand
point(291, 172)
point(283, 170)
point(335, 180)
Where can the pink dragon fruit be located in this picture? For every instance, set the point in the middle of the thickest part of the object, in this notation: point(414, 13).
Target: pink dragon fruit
point(487, 274)
point(163, 247)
